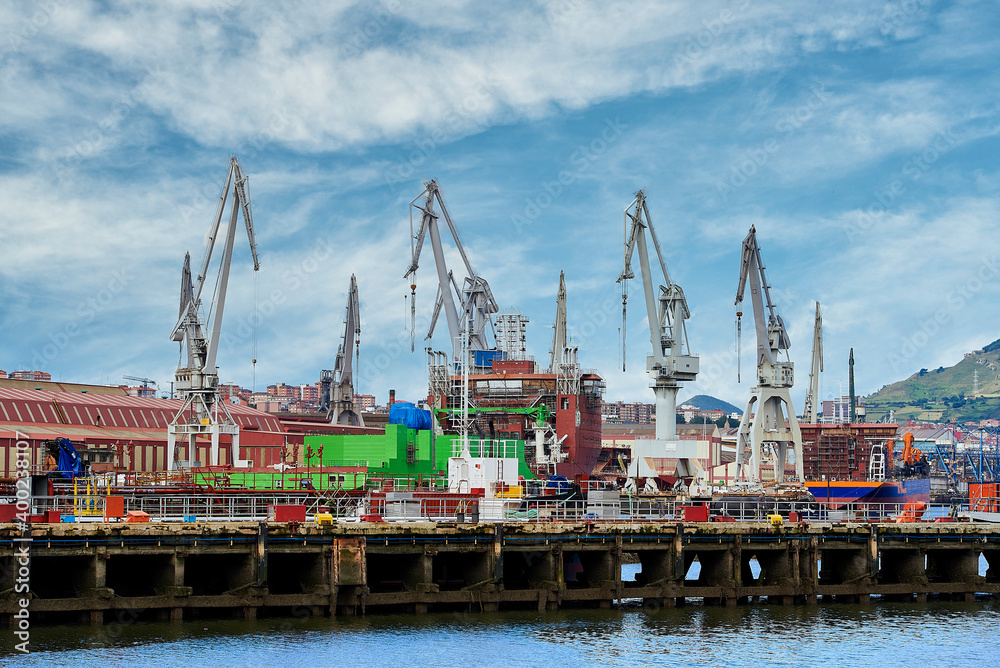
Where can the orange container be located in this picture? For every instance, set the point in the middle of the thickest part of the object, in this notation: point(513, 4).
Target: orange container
point(137, 516)
point(114, 508)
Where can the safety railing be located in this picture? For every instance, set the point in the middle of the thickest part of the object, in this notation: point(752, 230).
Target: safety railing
point(596, 505)
point(505, 448)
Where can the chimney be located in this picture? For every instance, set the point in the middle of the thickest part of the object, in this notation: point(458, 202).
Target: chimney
point(392, 397)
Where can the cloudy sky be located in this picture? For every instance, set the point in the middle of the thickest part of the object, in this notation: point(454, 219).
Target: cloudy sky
point(860, 138)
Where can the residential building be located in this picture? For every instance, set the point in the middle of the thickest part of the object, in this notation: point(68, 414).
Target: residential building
point(621, 411)
point(30, 375)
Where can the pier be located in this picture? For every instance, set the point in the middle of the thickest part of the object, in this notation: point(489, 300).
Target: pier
point(98, 572)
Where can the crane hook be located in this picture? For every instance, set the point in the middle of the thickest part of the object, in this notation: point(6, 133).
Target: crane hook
point(739, 331)
point(413, 315)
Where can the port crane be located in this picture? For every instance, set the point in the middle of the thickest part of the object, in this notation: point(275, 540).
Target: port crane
point(338, 385)
point(559, 328)
point(671, 361)
point(769, 422)
point(809, 412)
point(475, 299)
point(202, 413)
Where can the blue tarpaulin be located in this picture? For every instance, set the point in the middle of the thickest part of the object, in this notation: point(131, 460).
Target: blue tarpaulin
point(70, 464)
point(410, 416)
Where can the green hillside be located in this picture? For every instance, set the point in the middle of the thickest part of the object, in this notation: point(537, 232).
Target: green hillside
point(945, 394)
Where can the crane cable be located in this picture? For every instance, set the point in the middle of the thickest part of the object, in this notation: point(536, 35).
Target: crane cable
point(256, 320)
point(624, 302)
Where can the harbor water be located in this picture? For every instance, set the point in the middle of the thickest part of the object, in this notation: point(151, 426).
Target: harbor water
point(884, 635)
point(879, 634)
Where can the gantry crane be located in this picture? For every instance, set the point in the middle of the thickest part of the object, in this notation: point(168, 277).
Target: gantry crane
point(475, 299)
point(769, 420)
point(197, 379)
point(809, 410)
point(671, 361)
point(338, 384)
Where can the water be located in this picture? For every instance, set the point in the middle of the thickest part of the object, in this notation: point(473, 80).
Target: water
point(880, 634)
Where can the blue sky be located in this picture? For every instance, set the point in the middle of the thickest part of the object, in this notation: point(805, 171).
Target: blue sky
point(859, 138)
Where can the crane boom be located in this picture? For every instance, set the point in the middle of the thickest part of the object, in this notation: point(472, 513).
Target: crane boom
point(809, 412)
point(338, 385)
point(559, 327)
point(475, 299)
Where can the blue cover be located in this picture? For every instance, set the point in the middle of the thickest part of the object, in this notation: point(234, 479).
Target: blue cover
point(70, 464)
point(410, 416)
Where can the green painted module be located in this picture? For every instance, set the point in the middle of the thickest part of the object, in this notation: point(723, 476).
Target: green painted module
point(413, 456)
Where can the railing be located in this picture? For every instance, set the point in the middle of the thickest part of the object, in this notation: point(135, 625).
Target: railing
point(487, 448)
point(598, 505)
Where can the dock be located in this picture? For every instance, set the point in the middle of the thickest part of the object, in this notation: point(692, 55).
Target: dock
point(97, 572)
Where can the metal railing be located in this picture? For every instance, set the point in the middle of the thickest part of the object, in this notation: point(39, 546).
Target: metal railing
point(597, 505)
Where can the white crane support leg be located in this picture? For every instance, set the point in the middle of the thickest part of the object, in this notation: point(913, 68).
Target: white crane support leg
point(764, 422)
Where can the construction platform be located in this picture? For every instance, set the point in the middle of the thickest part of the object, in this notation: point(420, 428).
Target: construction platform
point(97, 573)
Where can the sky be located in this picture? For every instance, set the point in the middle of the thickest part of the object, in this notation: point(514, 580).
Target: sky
point(860, 139)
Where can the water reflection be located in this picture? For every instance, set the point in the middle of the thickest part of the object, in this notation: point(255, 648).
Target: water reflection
point(695, 634)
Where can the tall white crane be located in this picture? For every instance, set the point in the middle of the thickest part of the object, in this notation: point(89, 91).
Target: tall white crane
point(559, 328)
point(475, 299)
point(809, 411)
point(671, 361)
point(763, 425)
point(338, 384)
point(197, 378)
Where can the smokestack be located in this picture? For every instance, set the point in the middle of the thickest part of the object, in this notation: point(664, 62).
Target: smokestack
point(392, 397)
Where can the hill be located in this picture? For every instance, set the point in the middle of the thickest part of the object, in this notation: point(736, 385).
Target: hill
point(946, 393)
point(709, 403)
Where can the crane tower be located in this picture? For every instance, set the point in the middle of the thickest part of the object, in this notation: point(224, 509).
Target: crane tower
point(203, 414)
point(768, 423)
point(671, 361)
point(338, 384)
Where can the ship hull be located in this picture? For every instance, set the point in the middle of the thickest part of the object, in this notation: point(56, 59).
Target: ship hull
point(837, 494)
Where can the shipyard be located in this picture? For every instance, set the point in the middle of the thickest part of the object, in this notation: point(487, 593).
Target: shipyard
point(601, 334)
